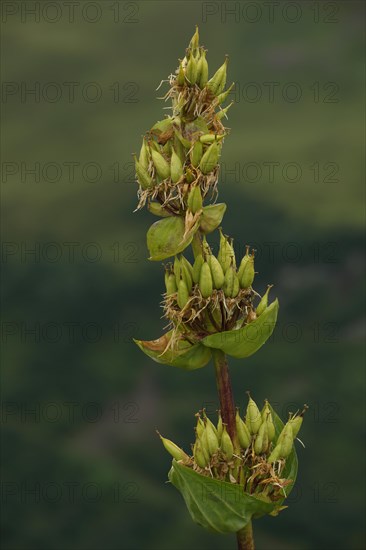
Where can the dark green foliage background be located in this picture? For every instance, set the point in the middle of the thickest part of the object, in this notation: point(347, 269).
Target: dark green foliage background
point(323, 368)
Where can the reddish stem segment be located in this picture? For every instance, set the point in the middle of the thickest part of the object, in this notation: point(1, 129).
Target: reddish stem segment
point(245, 538)
point(227, 404)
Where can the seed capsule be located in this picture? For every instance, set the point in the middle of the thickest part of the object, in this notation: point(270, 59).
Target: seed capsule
point(226, 255)
point(143, 177)
point(176, 167)
point(156, 209)
point(205, 282)
point(197, 268)
point(210, 138)
point(267, 417)
point(226, 444)
point(161, 165)
point(223, 96)
point(200, 426)
point(196, 153)
point(202, 70)
point(261, 441)
point(170, 284)
point(263, 304)
point(198, 454)
point(210, 158)
point(185, 262)
point(194, 200)
point(177, 270)
point(189, 176)
point(275, 454)
point(183, 294)
point(173, 449)
point(180, 75)
point(219, 427)
point(253, 418)
point(179, 149)
point(144, 158)
point(223, 112)
point(186, 276)
point(194, 43)
point(248, 273)
point(211, 439)
point(296, 421)
point(242, 432)
point(285, 439)
point(229, 282)
point(216, 84)
point(191, 70)
point(217, 273)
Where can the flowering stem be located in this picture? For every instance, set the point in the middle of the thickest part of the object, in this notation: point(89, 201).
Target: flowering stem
point(225, 392)
point(245, 538)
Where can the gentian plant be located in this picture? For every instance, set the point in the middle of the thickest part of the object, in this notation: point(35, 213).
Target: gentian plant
point(240, 467)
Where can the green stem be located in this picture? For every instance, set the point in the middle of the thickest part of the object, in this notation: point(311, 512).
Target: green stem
point(245, 538)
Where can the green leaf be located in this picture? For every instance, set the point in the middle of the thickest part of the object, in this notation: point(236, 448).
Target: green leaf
point(245, 341)
point(219, 506)
point(212, 217)
point(185, 355)
point(166, 238)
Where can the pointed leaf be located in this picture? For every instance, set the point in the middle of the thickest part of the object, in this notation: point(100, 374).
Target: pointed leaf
point(219, 506)
point(166, 238)
point(245, 341)
point(212, 217)
point(185, 355)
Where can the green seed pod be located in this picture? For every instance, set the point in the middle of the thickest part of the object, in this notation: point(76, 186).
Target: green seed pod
point(183, 294)
point(205, 283)
point(176, 167)
point(170, 284)
point(236, 286)
point(208, 421)
point(198, 454)
point(154, 145)
point(210, 138)
point(296, 421)
point(242, 432)
point(196, 153)
point(226, 255)
point(173, 449)
point(217, 273)
point(223, 96)
point(202, 70)
point(261, 441)
point(243, 262)
point(180, 76)
point(226, 444)
point(144, 158)
point(223, 112)
point(263, 304)
point(210, 438)
point(286, 442)
point(156, 209)
point(275, 454)
point(177, 268)
point(206, 247)
point(189, 175)
point(216, 84)
point(212, 217)
point(143, 177)
point(210, 158)
point(253, 418)
point(191, 70)
point(186, 276)
point(161, 165)
point(200, 426)
point(219, 428)
point(194, 200)
point(194, 43)
point(197, 268)
point(168, 148)
point(248, 273)
point(185, 262)
point(179, 149)
point(267, 417)
point(229, 282)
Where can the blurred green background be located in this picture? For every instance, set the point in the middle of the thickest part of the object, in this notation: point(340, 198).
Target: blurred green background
point(82, 466)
